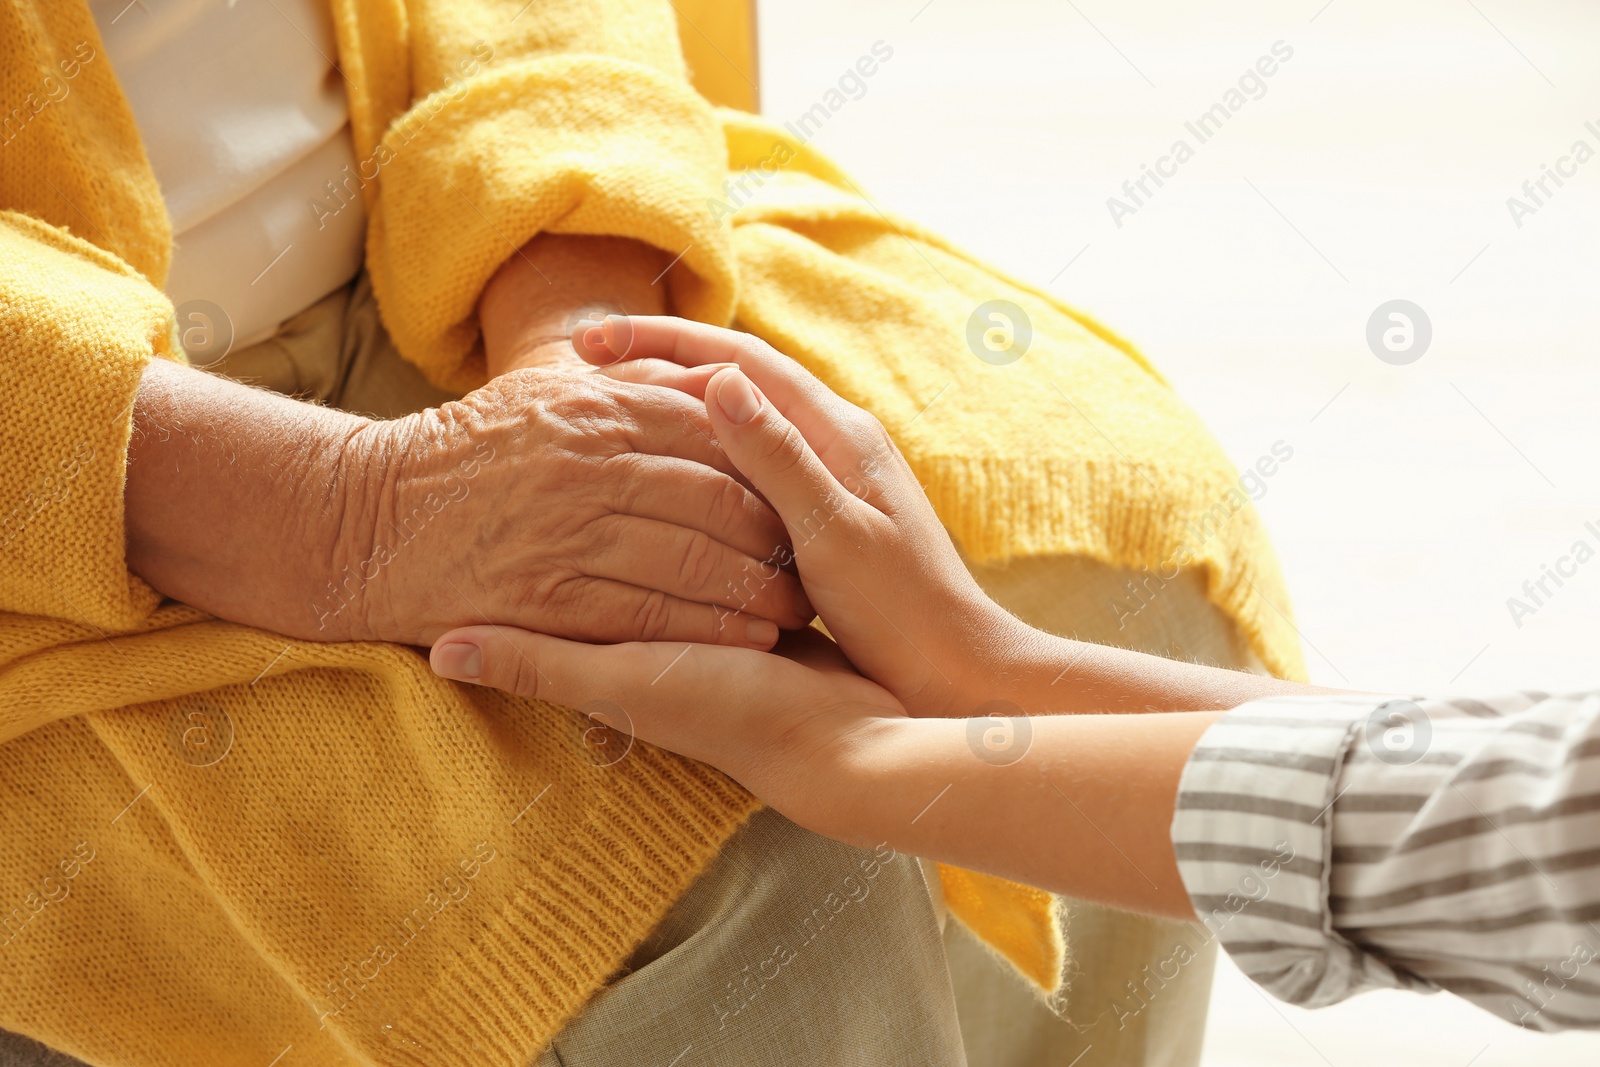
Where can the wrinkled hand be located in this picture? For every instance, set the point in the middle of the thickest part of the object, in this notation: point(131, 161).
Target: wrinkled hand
point(560, 501)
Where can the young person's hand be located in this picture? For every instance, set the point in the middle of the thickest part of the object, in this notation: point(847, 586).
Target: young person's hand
point(788, 725)
point(873, 557)
point(833, 751)
point(838, 755)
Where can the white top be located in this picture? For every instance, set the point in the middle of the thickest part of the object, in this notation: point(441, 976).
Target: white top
point(245, 121)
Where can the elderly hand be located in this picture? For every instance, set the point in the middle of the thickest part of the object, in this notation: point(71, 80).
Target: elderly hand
point(554, 500)
point(562, 502)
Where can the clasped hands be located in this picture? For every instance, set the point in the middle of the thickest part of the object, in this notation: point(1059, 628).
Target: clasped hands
point(909, 626)
point(691, 493)
point(656, 528)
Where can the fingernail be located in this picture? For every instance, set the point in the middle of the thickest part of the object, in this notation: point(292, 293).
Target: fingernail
point(738, 399)
point(761, 632)
point(619, 335)
point(459, 660)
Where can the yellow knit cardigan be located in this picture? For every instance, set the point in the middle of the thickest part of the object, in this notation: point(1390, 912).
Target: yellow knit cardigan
point(383, 867)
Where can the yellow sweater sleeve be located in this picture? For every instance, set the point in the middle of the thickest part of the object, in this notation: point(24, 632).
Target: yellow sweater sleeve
point(503, 120)
point(77, 326)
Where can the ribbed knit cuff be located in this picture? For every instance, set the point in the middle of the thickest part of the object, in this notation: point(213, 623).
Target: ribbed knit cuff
point(548, 952)
point(583, 145)
point(77, 326)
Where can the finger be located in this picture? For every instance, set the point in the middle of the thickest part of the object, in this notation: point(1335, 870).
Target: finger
point(602, 345)
point(689, 565)
point(656, 691)
point(606, 611)
point(695, 497)
point(849, 441)
point(597, 352)
point(532, 665)
point(571, 673)
point(646, 681)
point(618, 338)
point(776, 458)
point(663, 422)
point(664, 374)
point(796, 391)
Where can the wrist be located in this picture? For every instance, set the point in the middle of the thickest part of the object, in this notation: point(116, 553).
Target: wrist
point(999, 659)
point(528, 309)
point(354, 600)
point(234, 498)
point(1043, 674)
point(835, 786)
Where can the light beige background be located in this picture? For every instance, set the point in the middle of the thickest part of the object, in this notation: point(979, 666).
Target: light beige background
point(1377, 166)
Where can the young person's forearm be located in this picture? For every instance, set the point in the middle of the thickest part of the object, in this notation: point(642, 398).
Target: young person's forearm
point(1042, 674)
point(1069, 784)
point(1085, 810)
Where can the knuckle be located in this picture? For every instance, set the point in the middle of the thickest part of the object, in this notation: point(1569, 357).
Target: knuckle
point(728, 505)
point(556, 600)
point(868, 423)
point(864, 427)
point(624, 482)
point(524, 676)
point(697, 565)
point(752, 348)
point(651, 618)
point(784, 450)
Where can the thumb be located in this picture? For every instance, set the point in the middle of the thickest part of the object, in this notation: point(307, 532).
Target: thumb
point(541, 667)
point(773, 454)
point(600, 681)
point(699, 700)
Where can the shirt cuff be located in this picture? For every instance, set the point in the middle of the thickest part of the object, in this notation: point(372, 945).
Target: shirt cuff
point(1252, 836)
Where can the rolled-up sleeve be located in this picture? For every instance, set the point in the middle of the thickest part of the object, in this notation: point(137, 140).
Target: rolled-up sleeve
point(77, 326)
point(1335, 845)
point(502, 120)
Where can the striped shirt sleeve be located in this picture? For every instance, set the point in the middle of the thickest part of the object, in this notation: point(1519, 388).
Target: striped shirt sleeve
point(1335, 845)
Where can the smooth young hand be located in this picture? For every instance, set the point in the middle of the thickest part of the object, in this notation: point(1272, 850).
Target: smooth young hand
point(786, 724)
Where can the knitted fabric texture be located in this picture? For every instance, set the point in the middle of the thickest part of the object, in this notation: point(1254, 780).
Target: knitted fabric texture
point(380, 867)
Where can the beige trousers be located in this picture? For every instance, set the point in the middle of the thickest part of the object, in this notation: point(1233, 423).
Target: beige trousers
point(795, 950)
